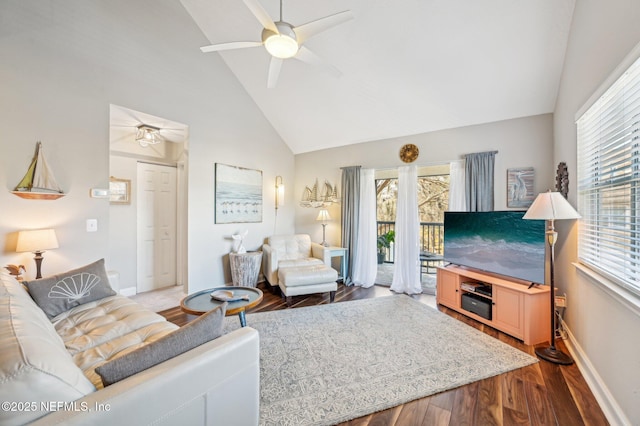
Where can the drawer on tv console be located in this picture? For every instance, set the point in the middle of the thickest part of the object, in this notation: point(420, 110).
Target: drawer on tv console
point(477, 304)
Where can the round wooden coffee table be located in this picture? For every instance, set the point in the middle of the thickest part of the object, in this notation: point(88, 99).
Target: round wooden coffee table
point(202, 302)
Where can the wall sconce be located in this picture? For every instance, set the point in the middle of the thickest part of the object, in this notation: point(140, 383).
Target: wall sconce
point(324, 216)
point(279, 192)
point(148, 135)
point(37, 241)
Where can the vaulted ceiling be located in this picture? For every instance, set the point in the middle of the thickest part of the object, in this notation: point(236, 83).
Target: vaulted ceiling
point(408, 66)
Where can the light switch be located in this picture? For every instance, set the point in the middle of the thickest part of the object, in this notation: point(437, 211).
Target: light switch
point(92, 225)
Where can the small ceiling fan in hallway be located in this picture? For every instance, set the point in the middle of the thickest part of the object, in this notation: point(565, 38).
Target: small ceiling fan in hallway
point(283, 41)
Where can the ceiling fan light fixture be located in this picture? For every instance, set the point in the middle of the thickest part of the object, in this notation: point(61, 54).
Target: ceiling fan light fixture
point(282, 45)
point(283, 41)
point(148, 135)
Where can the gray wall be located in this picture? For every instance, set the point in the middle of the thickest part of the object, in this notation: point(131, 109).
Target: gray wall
point(63, 63)
point(604, 325)
point(521, 142)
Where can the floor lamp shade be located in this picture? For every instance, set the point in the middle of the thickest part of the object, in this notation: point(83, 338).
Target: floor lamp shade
point(551, 206)
point(37, 241)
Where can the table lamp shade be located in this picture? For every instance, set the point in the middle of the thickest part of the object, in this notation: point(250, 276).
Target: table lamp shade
point(323, 215)
point(36, 240)
point(551, 206)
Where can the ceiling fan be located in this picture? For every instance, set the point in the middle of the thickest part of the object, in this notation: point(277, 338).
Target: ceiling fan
point(283, 41)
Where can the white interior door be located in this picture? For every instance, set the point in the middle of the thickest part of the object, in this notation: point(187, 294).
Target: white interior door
point(156, 226)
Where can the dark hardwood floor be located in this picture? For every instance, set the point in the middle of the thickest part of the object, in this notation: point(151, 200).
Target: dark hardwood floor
point(540, 394)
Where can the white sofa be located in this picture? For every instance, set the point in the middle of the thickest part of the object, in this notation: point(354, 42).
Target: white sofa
point(298, 266)
point(47, 368)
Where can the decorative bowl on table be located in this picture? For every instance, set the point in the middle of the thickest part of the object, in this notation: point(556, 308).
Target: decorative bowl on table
point(228, 296)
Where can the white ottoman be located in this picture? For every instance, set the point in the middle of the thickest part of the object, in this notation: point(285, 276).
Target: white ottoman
point(308, 279)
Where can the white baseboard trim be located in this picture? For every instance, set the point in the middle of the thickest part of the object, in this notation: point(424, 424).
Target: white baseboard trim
point(129, 291)
point(608, 404)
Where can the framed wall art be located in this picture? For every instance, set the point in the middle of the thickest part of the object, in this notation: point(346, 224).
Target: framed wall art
point(119, 191)
point(520, 187)
point(238, 193)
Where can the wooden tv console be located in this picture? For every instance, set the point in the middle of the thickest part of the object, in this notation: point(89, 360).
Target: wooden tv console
point(516, 309)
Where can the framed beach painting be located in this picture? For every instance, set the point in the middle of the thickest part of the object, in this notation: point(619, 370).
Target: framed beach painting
point(520, 187)
point(238, 193)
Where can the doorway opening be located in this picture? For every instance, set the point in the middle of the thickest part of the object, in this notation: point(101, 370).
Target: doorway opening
point(147, 236)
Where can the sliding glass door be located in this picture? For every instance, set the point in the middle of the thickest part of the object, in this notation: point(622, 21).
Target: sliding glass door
point(433, 200)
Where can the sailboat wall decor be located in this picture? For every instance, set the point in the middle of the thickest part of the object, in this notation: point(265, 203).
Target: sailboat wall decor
point(38, 183)
point(312, 197)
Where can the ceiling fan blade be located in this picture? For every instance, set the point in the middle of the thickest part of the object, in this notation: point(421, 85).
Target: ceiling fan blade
point(229, 46)
point(308, 30)
point(308, 57)
point(258, 11)
point(274, 72)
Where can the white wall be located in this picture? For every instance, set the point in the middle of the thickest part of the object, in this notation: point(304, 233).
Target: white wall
point(122, 225)
point(605, 330)
point(522, 142)
point(63, 63)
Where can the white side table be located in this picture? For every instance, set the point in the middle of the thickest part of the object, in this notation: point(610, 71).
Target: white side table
point(245, 268)
point(340, 252)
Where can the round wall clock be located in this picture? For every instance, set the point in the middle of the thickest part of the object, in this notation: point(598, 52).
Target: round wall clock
point(409, 153)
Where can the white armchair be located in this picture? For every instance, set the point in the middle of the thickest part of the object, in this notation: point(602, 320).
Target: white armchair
point(298, 266)
point(283, 251)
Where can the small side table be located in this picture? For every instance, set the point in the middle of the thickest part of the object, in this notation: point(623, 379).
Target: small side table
point(202, 302)
point(340, 252)
point(245, 268)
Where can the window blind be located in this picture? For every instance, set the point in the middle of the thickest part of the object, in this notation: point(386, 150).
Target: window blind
point(609, 182)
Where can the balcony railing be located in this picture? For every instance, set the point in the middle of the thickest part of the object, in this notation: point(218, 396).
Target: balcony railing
point(431, 237)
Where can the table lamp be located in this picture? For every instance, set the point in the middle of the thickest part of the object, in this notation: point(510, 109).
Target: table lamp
point(323, 215)
point(552, 206)
point(37, 241)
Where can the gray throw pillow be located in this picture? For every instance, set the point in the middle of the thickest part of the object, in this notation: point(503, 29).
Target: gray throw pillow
point(61, 292)
point(203, 329)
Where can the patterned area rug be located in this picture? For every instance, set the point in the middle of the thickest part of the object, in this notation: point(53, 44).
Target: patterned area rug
point(326, 364)
point(384, 277)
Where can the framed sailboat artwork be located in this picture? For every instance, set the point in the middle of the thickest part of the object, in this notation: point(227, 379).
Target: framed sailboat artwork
point(38, 183)
point(320, 197)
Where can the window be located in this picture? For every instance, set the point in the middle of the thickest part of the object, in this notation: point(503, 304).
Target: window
point(608, 182)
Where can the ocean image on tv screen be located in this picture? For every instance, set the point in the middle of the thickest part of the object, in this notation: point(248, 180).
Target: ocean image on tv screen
point(500, 242)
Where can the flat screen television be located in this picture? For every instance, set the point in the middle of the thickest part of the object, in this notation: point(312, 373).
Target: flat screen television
point(500, 242)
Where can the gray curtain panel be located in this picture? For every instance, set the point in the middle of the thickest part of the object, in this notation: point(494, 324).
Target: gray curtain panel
point(479, 181)
point(350, 211)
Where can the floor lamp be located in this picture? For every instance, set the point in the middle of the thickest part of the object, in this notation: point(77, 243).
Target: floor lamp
point(551, 206)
